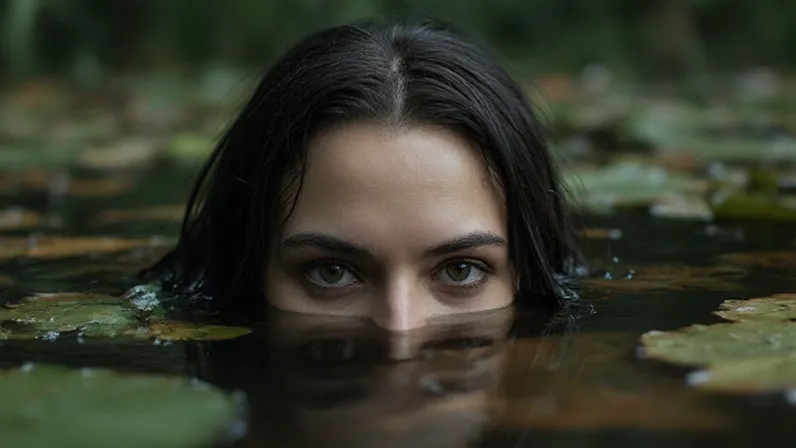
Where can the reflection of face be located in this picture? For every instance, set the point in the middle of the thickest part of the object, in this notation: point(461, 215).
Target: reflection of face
point(337, 381)
point(401, 226)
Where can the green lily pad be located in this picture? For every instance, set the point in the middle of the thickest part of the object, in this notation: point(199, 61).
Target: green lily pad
point(777, 308)
point(189, 147)
point(55, 406)
point(628, 184)
point(711, 345)
point(139, 315)
point(746, 376)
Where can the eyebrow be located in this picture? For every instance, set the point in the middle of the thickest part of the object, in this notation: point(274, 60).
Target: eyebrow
point(333, 244)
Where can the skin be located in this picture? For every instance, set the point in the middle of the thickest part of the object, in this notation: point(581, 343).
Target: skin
point(401, 226)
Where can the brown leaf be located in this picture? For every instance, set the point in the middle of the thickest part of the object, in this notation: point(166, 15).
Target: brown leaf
point(589, 381)
point(187, 331)
point(172, 212)
point(770, 259)
point(50, 247)
point(671, 278)
point(602, 234)
point(17, 218)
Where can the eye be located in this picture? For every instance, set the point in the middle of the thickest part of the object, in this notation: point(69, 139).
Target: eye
point(330, 274)
point(462, 273)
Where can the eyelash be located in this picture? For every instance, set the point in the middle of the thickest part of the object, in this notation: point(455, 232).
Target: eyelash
point(486, 274)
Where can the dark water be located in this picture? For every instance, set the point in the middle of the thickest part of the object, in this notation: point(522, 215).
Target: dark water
point(490, 381)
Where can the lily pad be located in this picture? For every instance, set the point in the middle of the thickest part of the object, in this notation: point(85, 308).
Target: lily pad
point(628, 184)
point(711, 345)
point(747, 376)
point(48, 405)
point(50, 247)
point(16, 218)
point(139, 315)
point(190, 147)
point(126, 153)
point(777, 308)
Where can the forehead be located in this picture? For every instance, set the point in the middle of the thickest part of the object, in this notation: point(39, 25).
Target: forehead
point(370, 182)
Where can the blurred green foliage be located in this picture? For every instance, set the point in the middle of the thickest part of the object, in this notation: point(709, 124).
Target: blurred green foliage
point(654, 38)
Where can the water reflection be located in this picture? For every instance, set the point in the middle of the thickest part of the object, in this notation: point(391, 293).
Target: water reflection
point(316, 381)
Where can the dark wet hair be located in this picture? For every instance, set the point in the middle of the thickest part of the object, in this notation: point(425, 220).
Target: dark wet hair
point(398, 75)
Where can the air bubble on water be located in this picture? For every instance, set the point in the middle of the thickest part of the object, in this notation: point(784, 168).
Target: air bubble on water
point(50, 336)
point(86, 372)
point(27, 367)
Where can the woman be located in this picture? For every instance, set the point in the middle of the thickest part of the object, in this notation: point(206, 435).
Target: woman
point(393, 172)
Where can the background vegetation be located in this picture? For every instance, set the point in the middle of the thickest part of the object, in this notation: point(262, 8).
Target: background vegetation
point(651, 39)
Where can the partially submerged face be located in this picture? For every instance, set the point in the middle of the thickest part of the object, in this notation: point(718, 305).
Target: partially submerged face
point(399, 226)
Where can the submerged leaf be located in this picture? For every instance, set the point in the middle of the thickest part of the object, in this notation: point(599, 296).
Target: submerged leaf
point(55, 406)
point(669, 278)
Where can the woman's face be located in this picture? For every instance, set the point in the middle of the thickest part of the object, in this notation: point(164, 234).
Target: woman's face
point(399, 226)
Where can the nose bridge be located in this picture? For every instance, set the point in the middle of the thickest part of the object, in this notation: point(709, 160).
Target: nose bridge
point(401, 304)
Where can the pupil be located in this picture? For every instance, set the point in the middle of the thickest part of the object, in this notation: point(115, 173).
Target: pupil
point(332, 273)
point(459, 271)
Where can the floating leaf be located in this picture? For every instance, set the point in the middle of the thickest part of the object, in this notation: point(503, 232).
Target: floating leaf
point(742, 206)
point(745, 376)
point(709, 345)
point(101, 187)
point(187, 331)
point(54, 406)
point(190, 147)
point(17, 218)
point(156, 213)
point(602, 234)
point(777, 308)
point(126, 153)
point(769, 260)
point(49, 247)
point(681, 206)
point(139, 315)
point(669, 278)
point(629, 184)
